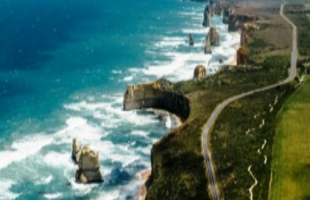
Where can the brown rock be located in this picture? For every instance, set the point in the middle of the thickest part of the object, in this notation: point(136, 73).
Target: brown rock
point(76, 148)
point(160, 94)
point(236, 21)
point(200, 72)
point(206, 18)
point(214, 37)
point(89, 168)
point(208, 49)
point(221, 60)
point(242, 56)
point(191, 40)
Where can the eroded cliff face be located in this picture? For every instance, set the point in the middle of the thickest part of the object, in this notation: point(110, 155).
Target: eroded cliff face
point(206, 18)
point(242, 56)
point(160, 94)
point(236, 21)
point(214, 37)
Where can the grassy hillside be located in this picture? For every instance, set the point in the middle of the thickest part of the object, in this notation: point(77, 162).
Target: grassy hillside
point(291, 164)
point(296, 12)
point(243, 137)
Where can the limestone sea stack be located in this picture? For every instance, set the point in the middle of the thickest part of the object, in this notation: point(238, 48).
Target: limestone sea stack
point(200, 72)
point(214, 37)
point(76, 148)
point(89, 168)
point(160, 94)
point(242, 56)
point(208, 49)
point(206, 18)
point(226, 14)
point(191, 40)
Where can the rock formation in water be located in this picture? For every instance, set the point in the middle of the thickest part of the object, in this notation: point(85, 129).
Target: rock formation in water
point(242, 56)
point(160, 94)
point(221, 60)
point(191, 40)
point(214, 37)
point(226, 14)
point(208, 49)
point(89, 168)
point(88, 162)
point(200, 72)
point(206, 18)
point(219, 9)
point(76, 148)
point(236, 21)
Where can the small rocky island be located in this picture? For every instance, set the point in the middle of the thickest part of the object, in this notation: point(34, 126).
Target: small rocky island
point(88, 162)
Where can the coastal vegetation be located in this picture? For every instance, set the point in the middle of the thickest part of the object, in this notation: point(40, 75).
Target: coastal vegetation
point(243, 136)
point(291, 161)
point(300, 15)
point(177, 160)
point(290, 166)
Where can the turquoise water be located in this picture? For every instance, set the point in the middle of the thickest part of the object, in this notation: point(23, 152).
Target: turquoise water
point(64, 66)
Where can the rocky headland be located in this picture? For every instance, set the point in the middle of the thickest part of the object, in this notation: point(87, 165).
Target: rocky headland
point(160, 94)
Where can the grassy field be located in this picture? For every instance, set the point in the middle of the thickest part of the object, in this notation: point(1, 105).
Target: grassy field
point(291, 159)
point(302, 21)
point(243, 137)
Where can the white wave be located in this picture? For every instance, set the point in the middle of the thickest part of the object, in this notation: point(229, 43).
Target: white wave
point(171, 42)
point(128, 78)
point(85, 106)
point(116, 71)
point(59, 160)
point(53, 196)
point(23, 148)
point(5, 192)
point(197, 31)
point(48, 179)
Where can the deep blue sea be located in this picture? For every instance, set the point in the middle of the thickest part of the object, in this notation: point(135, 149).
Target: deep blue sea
point(64, 66)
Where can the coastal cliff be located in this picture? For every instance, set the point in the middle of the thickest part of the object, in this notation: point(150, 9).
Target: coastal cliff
point(236, 21)
point(160, 94)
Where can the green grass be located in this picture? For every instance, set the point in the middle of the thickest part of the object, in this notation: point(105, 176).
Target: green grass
point(291, 159)
point(235, 148)
point(303, 24)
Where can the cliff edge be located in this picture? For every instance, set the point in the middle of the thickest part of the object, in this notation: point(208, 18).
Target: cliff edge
point(160, 94)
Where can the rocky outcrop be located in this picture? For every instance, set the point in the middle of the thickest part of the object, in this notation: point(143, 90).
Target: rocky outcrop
point(242, 56)
point(227, 11)
point(160, 94)
point(191, 40)
point(214, 37)
point(76, 148)
point(246, 32)
point(206, 18)
point(88, 162)
point(236, 21)
point(208, 49)
point(219, 9)
point(89, 168)
point(200, 72)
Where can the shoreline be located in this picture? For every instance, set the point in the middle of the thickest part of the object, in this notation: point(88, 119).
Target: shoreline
point(144, 176)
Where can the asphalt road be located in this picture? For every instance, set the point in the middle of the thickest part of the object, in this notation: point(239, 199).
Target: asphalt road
point(220, 107)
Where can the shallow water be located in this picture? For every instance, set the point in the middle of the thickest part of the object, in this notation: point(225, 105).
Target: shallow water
point(64, 66)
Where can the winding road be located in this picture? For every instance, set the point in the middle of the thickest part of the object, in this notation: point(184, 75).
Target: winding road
point(220, 107)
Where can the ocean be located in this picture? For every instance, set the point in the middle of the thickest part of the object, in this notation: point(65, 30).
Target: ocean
point(64, 67)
